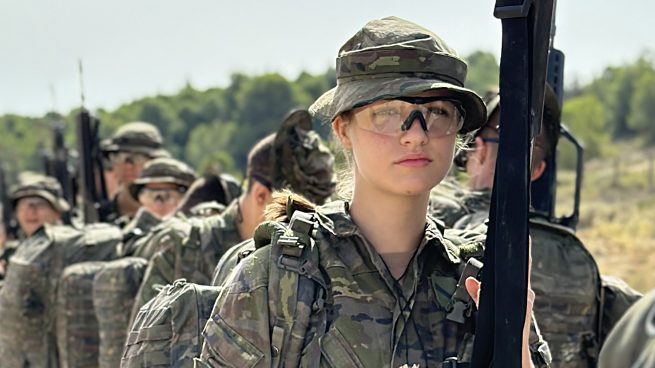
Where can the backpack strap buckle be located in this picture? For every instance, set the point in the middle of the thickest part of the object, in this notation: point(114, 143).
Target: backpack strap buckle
point(461, 304)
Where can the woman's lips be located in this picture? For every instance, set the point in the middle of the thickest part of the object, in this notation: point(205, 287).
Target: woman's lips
point(414, 162)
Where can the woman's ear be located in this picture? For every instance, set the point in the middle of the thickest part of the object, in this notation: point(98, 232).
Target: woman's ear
point(480, 152)
point(340, 128)
point(261, 194)
point(538, 170)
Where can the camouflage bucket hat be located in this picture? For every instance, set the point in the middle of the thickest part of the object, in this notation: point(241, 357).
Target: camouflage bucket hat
point(163, 170)
point(31, 184)
point(391, 58)
point(301, 162)
point(137, 137)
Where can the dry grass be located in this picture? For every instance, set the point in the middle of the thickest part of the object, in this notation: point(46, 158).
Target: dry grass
point(617, 217)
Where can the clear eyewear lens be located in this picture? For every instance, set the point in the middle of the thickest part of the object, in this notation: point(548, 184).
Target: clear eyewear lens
point(441, 117)
point(165, 196)
point(34, 203)
point(129, 157)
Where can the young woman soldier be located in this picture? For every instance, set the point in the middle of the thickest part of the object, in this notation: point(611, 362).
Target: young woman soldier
point(388, 269)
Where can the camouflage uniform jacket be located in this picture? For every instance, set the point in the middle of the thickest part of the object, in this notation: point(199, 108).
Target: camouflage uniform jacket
point(477, 206)
point(140, 226)
point(574, 305)
point(447, 202)
point(163, 235)
point(632, 341)
point(370, 320)
point(194, 257)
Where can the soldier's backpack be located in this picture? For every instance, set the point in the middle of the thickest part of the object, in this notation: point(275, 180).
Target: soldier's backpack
point(190, 251)
point(294, 277)
point(567, 284)
point(114, 289)
point(28, 298)
point(167, 330)
point(76, 323)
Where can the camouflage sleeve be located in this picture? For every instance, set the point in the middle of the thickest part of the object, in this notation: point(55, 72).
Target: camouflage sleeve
point(617, 298)
point(629, 340)
point(229, 261)
point(238, 332)
point(160, 271)
point(448, 210)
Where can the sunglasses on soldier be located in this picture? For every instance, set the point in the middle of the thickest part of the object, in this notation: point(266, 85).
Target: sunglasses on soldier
point(438, 116)
point(134, 158)
point(163, 196)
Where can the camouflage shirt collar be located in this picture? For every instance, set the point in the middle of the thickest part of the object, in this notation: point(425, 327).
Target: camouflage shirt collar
point(231, 216)
point(478, 200)
point(335, 218)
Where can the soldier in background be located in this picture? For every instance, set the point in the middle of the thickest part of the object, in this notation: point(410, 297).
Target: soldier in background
point(632, 341)
point(293, 158)
point(209, 195)
point(159, 190)
point(575, 305)
point(37, 200)
point(128, 150)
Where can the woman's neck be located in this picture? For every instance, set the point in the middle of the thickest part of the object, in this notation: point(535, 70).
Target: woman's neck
point(394, 225)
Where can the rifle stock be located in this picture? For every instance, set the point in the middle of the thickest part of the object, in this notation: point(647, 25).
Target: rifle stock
point(93, 192)
point(499, 327)
point(8, 220)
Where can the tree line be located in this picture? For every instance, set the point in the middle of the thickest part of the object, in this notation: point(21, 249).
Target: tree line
point(213, 129)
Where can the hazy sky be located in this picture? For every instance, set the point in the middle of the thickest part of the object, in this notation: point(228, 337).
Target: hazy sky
point(135, 48)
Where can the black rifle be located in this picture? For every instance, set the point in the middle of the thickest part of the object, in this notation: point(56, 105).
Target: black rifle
point(56, 166)
point(544, 189)
point(8, 221)
point(499, 327)
point(93, 191)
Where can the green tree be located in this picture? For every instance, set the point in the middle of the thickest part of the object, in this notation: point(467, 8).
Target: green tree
point(585, 117)
point(616, 88)
point(642, 107)
point(207, 140)
point(483, 71)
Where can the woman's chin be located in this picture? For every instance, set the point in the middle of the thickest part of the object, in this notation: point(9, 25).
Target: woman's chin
point(416, 187)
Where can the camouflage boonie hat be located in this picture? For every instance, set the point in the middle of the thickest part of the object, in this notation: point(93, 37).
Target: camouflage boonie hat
point(491, 101)
point(163, 170)
point(301, 162)
point(137, 137)
point(31, 184)
point(391, 58)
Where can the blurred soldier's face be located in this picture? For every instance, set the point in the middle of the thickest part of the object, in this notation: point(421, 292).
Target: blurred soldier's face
point(34, 212)
point(127, 166)
point(481, 161)
point(160, 199)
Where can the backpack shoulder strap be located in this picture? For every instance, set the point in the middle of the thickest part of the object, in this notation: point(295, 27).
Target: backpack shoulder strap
point(297, 289)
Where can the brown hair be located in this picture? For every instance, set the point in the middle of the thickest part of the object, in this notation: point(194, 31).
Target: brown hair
point(284, 204)
point(260, 162)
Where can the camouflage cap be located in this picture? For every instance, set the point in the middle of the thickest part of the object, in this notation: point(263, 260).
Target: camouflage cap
point(163, 170)
point(138, 137)
point(391, 58)
point(301, 162)
point(491, 101)
point(550, 124)
point(31, 184)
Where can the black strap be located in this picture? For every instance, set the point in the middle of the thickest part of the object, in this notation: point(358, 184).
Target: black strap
point(294, 261)
point(499, 327)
